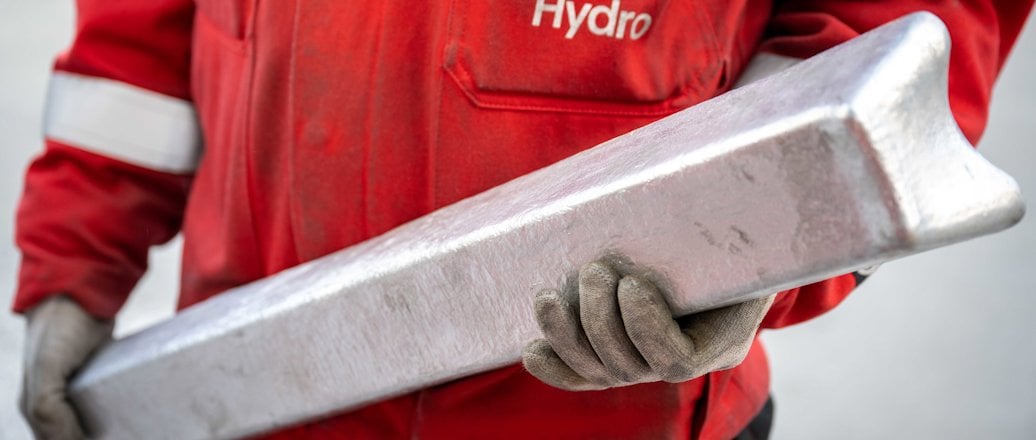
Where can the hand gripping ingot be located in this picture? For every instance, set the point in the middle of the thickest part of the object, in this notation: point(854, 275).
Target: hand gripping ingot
point(842, 161)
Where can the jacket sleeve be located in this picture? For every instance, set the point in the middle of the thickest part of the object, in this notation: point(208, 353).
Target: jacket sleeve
point(121, 145)
point(982, 33)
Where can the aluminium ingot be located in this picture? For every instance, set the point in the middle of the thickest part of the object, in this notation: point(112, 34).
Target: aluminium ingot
point(842, 161)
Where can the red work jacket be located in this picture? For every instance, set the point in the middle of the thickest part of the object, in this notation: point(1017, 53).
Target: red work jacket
point(325, 123)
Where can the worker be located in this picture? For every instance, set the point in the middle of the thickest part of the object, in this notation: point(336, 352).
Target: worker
point(272, 133)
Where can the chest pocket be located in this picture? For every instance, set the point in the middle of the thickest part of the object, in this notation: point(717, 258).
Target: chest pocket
point(627, 57)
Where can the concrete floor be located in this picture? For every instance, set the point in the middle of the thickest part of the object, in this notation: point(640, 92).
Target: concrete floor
point(936, 346)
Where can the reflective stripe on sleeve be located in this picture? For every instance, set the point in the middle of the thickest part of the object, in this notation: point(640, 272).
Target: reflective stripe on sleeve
point(123, 122)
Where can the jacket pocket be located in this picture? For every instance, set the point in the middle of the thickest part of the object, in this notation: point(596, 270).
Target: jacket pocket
point(622, 57)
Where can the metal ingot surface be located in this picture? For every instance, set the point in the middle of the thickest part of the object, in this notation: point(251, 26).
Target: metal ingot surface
point(842, 161)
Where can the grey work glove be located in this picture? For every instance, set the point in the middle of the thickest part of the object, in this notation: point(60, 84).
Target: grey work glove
point(618, 330)
point(59, 337)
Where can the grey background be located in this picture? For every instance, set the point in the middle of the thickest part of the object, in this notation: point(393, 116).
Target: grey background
point(936, 346)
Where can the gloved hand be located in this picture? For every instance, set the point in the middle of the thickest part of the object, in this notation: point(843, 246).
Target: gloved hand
point(59, 337)
point(619, 331)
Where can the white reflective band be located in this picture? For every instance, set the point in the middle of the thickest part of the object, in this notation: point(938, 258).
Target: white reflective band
point(764, 64)
point(123, 122)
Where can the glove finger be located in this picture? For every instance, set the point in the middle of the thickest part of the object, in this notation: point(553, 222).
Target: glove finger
point(44, 405)
point(559, 320)
point(59, 337)
point(602, 322)
point(51, 416)
point(654, 332)
point(723, 336)
point(541, 361)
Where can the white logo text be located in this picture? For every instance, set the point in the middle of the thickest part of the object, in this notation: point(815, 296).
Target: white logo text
point(618, 24)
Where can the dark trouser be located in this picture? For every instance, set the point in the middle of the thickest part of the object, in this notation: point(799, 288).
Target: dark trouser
point(759, 427)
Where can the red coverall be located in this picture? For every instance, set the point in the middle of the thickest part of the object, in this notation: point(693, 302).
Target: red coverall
point(328, 122)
